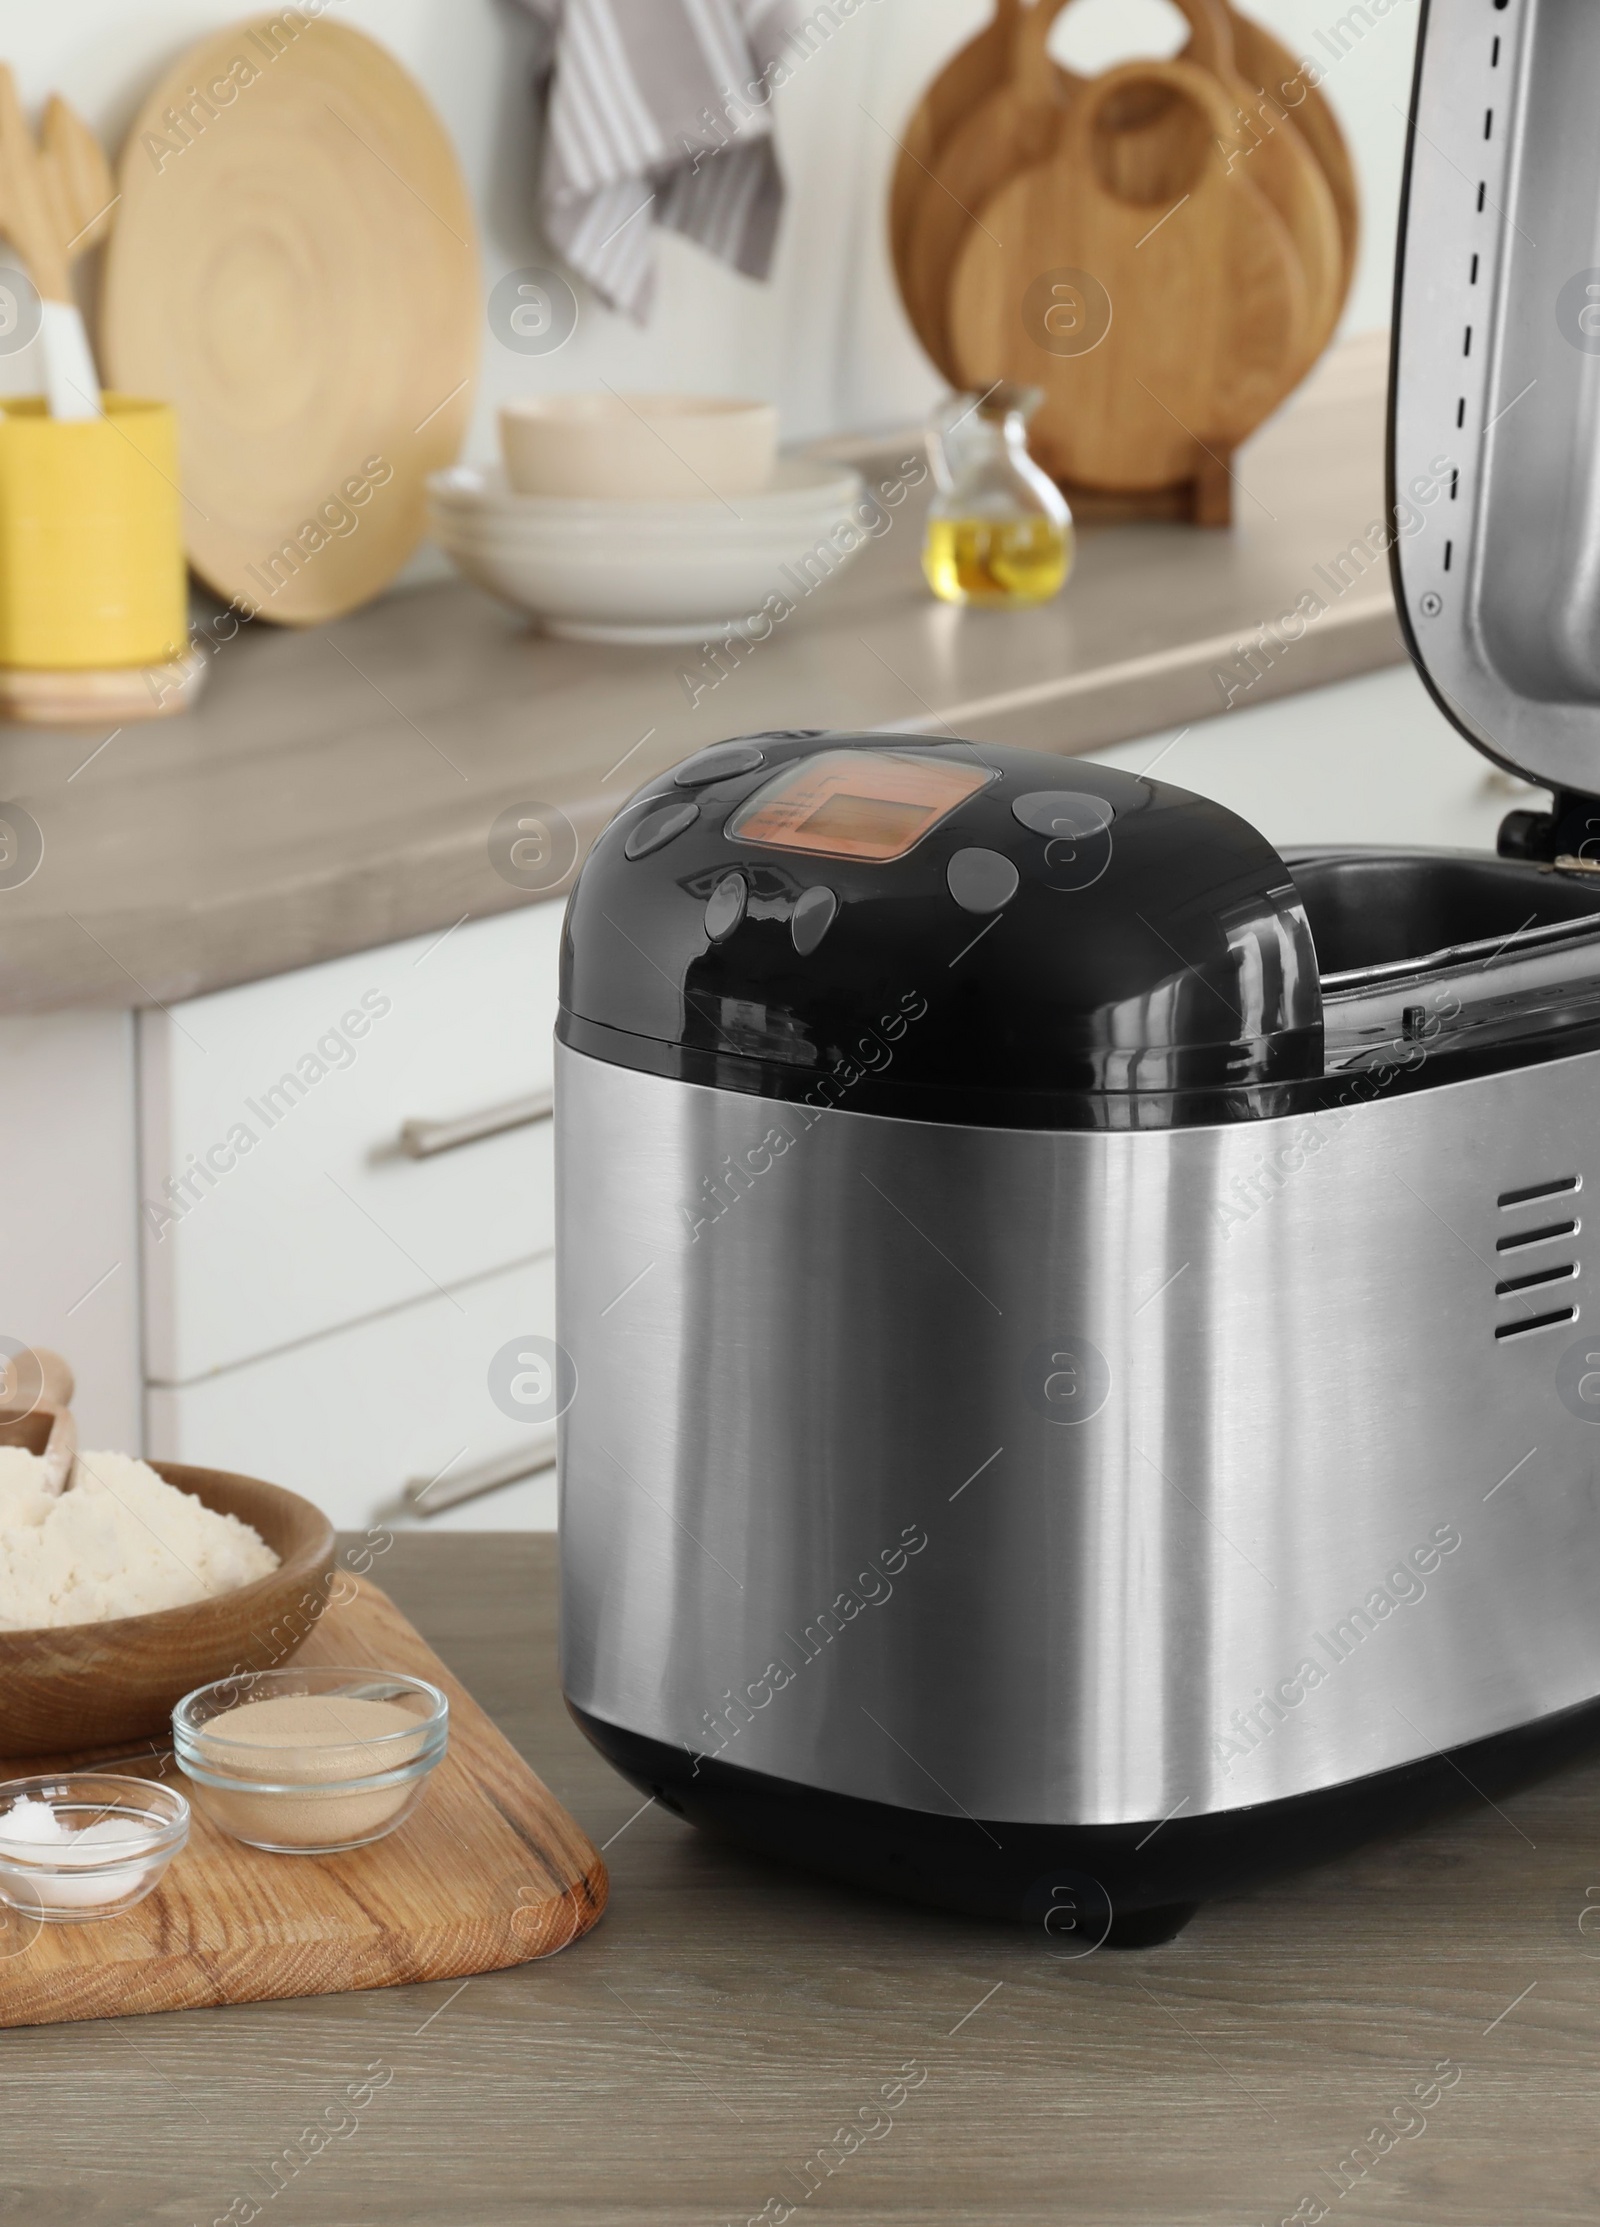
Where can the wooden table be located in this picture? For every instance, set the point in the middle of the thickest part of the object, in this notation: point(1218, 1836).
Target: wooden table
point(727, 2019)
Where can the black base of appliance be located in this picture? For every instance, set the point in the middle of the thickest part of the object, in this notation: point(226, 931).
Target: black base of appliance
point(1088, 1886)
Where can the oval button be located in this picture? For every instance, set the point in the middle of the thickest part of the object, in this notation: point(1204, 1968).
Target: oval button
point(1063, 812)
point(812, 918)
point(719, 762)
point(659, 827)
point(725, 907)
point(981, 881)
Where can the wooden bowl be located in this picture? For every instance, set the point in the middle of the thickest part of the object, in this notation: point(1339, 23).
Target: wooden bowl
point(78, 1686)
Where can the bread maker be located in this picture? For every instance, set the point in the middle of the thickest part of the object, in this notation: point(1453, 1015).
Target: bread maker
point(1082, 1398)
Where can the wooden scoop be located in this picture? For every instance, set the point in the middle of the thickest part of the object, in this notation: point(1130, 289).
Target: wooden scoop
point(56, 200)
point(60, 1450)
point(33, 1377)
point(36, 1388)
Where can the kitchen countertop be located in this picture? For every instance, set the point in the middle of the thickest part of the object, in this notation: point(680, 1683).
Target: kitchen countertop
point(727, 2017)
point(334, 790)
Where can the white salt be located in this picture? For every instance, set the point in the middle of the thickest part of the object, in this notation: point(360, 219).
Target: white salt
point(33, 1833)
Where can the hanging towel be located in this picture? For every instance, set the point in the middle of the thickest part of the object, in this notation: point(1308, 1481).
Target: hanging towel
point(659, 113)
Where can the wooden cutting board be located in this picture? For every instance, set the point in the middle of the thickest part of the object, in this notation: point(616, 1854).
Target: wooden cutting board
point(294, 266)
point(1271, 71)
point(1012, 125)
point(488, 1871)
point(1015, 124)
point(1209, 307)
point(1017, 101)
point(958, 88)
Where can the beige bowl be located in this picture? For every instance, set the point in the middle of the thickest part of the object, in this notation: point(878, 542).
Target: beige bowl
point(638, 447)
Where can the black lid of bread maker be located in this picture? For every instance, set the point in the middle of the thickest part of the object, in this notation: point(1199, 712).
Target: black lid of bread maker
point(1494, 418)
point(943, 930)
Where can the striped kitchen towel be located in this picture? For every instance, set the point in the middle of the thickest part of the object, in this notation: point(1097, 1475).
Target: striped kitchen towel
point(658, 113)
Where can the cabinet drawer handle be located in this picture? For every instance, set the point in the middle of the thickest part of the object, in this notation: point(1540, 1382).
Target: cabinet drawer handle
point(421, 1140)
point(430, 1497)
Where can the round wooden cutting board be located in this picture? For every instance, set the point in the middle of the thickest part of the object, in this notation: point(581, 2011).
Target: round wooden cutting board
point(295, 267)
point(1204, 333)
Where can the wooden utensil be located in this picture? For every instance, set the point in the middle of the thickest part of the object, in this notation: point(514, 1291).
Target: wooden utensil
point(31, 1378)
point(489, 1871)
point(298, 275)
point(77, 1686)
point(1209, 300)
point(36, 1411)
point(51, 1433)
point(55, 203)
point(60, 1450)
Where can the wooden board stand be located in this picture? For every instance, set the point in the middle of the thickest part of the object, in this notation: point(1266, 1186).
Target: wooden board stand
point(488, 1871)
point(1205, 500)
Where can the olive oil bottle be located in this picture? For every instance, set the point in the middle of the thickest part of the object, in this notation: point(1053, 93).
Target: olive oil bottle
point(999, 531)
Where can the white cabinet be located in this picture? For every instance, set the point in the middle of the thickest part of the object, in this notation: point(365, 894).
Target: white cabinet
point(277, 1200)
point(321, 1305)
point(352, 1417)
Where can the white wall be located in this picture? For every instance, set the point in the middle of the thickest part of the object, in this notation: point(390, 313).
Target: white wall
point(827, 339)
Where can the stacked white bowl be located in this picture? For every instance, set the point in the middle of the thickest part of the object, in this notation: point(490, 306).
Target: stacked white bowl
point(647, 518)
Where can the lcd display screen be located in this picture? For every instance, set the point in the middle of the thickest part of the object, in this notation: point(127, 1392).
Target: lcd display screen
point(856, 804)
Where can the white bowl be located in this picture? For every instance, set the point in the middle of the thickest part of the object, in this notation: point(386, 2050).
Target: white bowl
point(799, 486)
point(653, 572)
point(631, 447)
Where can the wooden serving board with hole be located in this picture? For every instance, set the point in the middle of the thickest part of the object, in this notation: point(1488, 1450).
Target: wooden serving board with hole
point(488, 1871)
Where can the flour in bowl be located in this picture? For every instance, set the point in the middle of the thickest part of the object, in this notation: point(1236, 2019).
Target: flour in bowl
point(120, 1541)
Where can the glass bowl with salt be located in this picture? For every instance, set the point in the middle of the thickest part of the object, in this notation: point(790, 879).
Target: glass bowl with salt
point(310, 1762)
point(85, 1844)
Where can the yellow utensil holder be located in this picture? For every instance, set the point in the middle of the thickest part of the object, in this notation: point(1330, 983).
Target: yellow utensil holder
point(91, 547)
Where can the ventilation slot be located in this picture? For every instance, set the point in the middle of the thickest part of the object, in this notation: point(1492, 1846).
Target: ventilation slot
point(1533, 1285)
point(1535, 1322)
point(1542, 1236)
point(1539, 1191)
point(1539, 1276)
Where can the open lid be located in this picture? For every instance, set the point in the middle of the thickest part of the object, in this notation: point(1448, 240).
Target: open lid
point(1494, 421)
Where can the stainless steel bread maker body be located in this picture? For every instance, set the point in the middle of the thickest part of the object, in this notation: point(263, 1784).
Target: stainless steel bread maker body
point(1083, 1380)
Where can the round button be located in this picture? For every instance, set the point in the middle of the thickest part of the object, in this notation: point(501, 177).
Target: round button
point(1063, 812)
point(659, 827)
point(719, 763)
point(981, 881)
point(812, 918)
point(725, 907)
